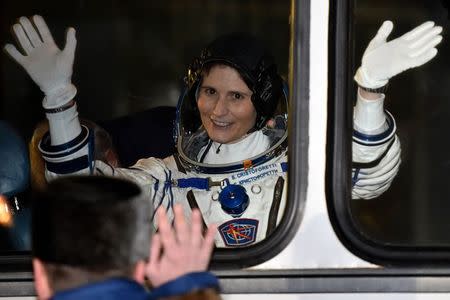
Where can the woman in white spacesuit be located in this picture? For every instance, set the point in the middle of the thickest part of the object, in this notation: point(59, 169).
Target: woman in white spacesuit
point(231, 158)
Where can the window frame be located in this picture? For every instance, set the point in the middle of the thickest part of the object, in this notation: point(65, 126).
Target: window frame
point(339, 156)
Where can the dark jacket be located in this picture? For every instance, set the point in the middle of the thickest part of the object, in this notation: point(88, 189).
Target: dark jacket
point(122, 288)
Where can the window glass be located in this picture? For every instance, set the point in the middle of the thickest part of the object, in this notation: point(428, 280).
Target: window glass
point(415, 209)
point(130, 56)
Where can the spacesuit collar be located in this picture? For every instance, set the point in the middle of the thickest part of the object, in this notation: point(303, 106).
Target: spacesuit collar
point(249, 146)
point(190, 147)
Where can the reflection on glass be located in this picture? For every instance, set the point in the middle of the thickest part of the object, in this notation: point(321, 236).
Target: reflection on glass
point(14, 180)
point(6, 214)
point(414, 209)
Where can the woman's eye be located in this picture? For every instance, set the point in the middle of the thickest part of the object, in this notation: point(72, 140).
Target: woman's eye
point(210, 91)
point(237, 96)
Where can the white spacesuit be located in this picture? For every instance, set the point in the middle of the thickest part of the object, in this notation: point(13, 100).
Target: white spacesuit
point(239, 185)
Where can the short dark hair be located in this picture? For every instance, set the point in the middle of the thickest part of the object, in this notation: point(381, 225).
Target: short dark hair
point(95, 223)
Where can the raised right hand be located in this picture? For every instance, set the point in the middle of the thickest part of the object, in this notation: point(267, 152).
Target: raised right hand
point(180, 250)
point(48, 66)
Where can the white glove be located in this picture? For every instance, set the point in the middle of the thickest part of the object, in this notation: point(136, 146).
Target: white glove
point(48, 66)
point(383, 60)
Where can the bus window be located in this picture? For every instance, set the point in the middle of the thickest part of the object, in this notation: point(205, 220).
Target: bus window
point(411, 212)
point(132, 57)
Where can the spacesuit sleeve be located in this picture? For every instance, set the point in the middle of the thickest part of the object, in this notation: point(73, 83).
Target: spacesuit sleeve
point(375, 149)
point(68, 149)
point(75, 157)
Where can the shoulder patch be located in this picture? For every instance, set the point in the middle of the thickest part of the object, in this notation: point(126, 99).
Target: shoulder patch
point(239, 232)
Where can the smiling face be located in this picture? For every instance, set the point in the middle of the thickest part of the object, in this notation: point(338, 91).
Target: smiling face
point(224, 102)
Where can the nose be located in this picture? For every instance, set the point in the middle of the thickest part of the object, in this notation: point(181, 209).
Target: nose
point(221, 107)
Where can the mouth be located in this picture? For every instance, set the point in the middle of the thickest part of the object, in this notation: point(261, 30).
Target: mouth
point(221, 124)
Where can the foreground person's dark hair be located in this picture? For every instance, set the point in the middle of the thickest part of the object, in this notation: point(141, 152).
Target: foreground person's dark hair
point(93, 226)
